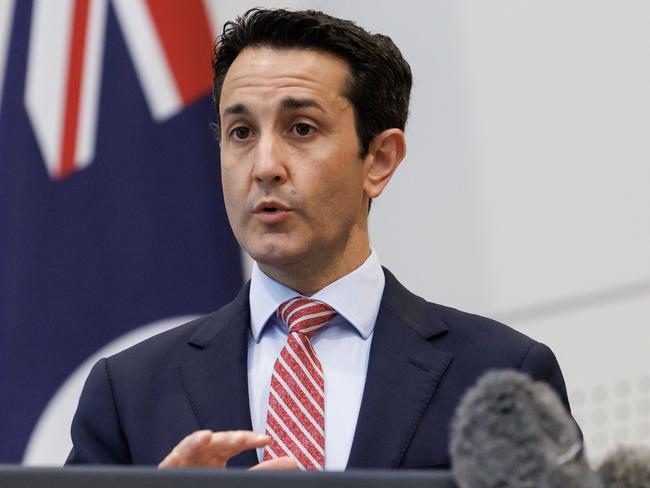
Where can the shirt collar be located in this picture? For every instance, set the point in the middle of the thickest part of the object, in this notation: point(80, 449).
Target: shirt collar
point(356, 296)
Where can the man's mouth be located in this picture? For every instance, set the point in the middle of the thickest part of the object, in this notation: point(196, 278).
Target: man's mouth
point(272, 212)
point(270, 207)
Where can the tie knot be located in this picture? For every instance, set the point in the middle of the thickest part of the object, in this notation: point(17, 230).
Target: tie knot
point(305, 315)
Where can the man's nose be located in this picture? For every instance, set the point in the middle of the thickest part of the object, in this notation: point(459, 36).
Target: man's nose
point(270, 160)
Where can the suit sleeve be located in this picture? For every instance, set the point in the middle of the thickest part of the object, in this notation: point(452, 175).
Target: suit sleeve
point(540, 363)
point(97, 437)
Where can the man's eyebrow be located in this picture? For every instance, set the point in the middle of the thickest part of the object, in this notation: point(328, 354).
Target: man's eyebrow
point(294, 103)
point(237, 109)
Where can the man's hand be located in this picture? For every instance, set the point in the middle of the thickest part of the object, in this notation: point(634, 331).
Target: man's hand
point(207, 449)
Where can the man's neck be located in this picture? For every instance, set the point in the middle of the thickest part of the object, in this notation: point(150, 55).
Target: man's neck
point(308, 280)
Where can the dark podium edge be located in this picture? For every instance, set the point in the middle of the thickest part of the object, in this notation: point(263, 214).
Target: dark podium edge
point(15, 476)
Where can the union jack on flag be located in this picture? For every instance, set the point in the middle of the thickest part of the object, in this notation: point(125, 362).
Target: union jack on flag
point(170, 45)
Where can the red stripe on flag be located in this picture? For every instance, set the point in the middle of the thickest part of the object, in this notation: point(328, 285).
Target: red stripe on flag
point(186, 38)
point(73, 87)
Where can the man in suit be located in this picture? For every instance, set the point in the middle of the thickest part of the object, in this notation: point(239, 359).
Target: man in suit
point(323, 350)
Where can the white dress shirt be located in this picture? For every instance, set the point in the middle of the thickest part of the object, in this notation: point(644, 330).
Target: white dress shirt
point(343, 348)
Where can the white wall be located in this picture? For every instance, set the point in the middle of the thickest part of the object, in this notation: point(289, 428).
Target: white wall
point(524, 192)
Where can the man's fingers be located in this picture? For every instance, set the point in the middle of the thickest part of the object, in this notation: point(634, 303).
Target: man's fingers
point(187, 450)
point(276, 464)
point(228, 444)
point(204, 448)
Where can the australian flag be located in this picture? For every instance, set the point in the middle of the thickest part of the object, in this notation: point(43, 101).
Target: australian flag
point(112, 224)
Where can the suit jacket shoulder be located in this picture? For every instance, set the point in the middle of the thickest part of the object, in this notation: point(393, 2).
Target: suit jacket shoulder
point(161, 348)
point(465, 334)
point(423, 358)
point(138, 404)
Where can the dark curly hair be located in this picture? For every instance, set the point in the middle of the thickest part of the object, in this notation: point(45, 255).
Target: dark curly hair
point(379, 87)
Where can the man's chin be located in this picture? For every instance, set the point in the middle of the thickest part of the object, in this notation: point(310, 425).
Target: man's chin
point(275, 256)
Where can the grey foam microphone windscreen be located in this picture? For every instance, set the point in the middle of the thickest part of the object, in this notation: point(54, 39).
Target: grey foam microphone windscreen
point(510, 431)
point(626, 468)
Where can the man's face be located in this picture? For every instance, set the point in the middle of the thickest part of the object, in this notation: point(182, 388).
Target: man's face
point(292, 179)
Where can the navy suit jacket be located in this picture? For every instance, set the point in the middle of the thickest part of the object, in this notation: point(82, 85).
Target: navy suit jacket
point(137, 405)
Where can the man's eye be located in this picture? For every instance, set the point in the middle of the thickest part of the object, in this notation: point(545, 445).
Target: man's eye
point(303, 129)
point(241, 132)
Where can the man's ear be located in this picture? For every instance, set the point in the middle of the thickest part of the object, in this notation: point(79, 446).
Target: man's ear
point(386, 151)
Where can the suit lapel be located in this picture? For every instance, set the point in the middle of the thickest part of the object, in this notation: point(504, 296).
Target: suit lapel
point(403, 372)
point(215, 375)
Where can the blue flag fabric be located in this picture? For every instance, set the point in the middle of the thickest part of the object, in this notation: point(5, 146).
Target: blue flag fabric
point(137, 236)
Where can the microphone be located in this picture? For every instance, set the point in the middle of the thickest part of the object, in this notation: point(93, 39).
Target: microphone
point(510, 431)
point(626, 468)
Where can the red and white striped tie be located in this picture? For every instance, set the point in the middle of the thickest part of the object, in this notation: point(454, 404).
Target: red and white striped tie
point(296, 417)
